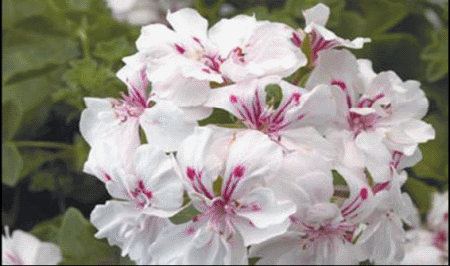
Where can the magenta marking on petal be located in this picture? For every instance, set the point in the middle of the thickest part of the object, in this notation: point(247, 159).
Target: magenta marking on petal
point(339, 83)
point(14, 259)
point(255, 207)
point(364, 193)
point(190, 230)
point(239, 171)
point(446, 216)
point(190, 172)
point(233, 99)
point(206, 70)
point(296, 40)
point(180, 49)
point(107, 177)
point(300, 117)
point(380, 186)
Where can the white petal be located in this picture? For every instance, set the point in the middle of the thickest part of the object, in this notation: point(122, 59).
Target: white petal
point(228, 34)
point(48, 254)
point(269, 210)
point(157, 171)
point(254, 235)
point(166, 126)
point(258, 155)
point(318, 14)
point(188, 22)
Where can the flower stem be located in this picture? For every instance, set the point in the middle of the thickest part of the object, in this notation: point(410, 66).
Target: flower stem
point(43, 144)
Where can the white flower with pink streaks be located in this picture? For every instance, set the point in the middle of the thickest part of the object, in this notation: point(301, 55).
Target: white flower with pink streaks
point(22, 248)
point(118, 120)
point(291, 123)
point(321, 38)
point(243, 212)
point(146, 191)
point(181, 62)
point(376, 113)
point(321, 232)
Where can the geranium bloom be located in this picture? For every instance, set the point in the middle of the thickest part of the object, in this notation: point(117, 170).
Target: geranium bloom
point(118, 120)
point(290, 123)
point(376, 113)
point(241, 211)
point(320, 37)
point(148, 192)
point(421, 251)
point(181, 62)
point(25, 249)
point(321, 232)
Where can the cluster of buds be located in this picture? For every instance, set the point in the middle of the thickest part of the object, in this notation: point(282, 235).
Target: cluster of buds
point(309, 171)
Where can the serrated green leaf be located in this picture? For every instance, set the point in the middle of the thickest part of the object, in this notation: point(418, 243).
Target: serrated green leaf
point(12, 164)
point(436, 55)
point(420, 193)
point(114, 50)
point(49, 230)
point(78, 244)
point(435, 152)
point(185, 215)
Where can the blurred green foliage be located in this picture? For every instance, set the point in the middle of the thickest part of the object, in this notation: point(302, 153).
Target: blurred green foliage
point(55, 52)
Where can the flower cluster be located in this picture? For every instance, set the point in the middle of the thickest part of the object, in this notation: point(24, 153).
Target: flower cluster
point(309, 172)
point(429, 245)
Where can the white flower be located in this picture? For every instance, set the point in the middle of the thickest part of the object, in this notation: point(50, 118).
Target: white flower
point(118, 120)
point(421, 251)
point(291, 123)
point(182, 62)
point(320, 37)
point(437, 218)
point(321, 231)
point(376, 113)
point(242, 213)
point(23, 248)
point(148, 192)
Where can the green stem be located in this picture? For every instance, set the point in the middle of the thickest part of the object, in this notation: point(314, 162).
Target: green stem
point(84, 39)
point(43, 144)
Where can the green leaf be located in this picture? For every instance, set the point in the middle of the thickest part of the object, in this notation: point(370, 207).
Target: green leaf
point(48, 230)
point(185, 215)
point(114, 50)
point(420, 193)
point(78, 244)
point(274, 95)
point(32, 52)
point(436, 55)
point(11, 116)
point(393, 51)
point(87, 75)
point(435, 152)
point(381, 15)
point(218, 116)
point(16, 10)
point(81, 152)
point(12, 164)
